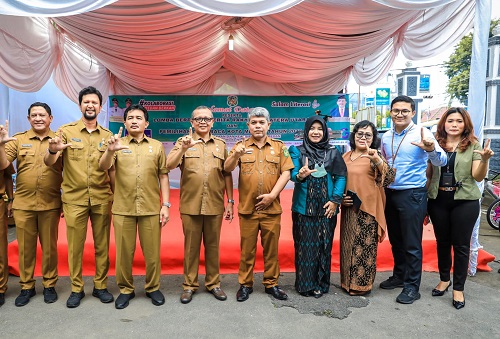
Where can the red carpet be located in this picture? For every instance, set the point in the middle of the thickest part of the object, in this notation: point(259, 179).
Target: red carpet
point(173, 239)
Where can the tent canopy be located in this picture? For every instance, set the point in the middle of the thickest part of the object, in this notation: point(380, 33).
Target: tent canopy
point(181, 46)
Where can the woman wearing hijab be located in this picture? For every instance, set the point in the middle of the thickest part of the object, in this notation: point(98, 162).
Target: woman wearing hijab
point(319, 176)
point(453, 203)
point(362, 225)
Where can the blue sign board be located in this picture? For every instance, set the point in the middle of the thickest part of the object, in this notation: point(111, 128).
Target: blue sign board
point(425, 82)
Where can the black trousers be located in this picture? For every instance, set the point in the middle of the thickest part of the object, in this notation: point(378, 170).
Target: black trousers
point(453, 222)
point(404, 212)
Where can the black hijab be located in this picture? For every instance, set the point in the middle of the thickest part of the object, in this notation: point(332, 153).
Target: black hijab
point(321, 152)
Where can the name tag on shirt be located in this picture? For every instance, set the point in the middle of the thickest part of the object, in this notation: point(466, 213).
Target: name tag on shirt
point(76, 139)
point(26, 146)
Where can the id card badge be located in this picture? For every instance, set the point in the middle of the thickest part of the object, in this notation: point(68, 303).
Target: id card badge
point(448, 179)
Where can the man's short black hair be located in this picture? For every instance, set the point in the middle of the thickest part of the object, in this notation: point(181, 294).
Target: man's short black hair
point(40, 104)
point(89, 90)
point(134, 107)
point(404, 98)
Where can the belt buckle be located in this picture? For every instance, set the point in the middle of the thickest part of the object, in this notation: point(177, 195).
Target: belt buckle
point(447, 189)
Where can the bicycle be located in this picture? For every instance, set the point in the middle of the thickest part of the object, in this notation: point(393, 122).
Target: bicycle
point(493, 212)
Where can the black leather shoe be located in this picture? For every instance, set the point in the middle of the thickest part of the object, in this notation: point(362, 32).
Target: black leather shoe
point(74, 299)
point(408, 296)
point(157, 297)
point(392, 283)
point(103, 295)
point(187, 296)
point(439, 293)
point(49, 295)
point(279, 294)
point(459, 304)
point(243, 293)
point(123, 299)
point(355, 293)
point(316, 293)
point(218, 293)
point(24, 297)
point(2, 299)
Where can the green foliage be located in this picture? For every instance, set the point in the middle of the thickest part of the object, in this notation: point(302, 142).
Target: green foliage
point(457, 68)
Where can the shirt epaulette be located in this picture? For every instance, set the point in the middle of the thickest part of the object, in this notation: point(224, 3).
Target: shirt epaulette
point(20, 133)
point(277, 140)
point(105, 129)
point(74, 123)
point(220, 139)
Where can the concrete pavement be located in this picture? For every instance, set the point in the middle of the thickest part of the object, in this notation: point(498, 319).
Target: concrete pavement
point(335, 315)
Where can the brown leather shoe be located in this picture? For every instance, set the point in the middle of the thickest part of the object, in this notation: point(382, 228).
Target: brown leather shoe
point(218, 293)
point(187, 296)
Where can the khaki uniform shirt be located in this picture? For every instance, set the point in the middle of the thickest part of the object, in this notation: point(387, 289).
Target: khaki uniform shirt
point(203, 177)
point(137, 188)
point(260, 169)
point(9, 170)
point(83, 182)
point(38, 187)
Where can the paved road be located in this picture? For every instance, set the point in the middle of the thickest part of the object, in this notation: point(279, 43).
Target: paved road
point(335, 315)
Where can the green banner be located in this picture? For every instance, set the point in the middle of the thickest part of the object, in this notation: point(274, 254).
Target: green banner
point(169, 115)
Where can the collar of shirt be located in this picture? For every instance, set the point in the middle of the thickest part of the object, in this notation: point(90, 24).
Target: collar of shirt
point(196, 137)
point(403, 131)
point(252, 141)
point(81, 126)
point(32, 135)
point(129, 139)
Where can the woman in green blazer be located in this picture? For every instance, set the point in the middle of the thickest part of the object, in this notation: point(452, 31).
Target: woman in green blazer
point(453, 204)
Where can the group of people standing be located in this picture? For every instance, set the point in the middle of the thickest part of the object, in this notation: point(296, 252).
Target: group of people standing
point(377, 191)
point(387, 191)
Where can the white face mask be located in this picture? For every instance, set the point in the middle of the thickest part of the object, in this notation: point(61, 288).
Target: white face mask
point(320, 171)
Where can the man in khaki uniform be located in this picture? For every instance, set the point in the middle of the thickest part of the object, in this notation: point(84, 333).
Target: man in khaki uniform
point(141, 176)
point(86, 193)
point(201, 157)
point(7, 187)
point(37, 207)
point(264, 171)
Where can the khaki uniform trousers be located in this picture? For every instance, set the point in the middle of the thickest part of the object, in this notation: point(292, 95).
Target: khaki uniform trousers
point(4, 259)
point(149, 230)
point(76, 229)
point(269, 226)
point(31, 225)
point(195, 228)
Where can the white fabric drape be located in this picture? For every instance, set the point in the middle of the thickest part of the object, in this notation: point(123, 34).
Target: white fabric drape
point(236, 7)
point(50, 8)
point(479, 59)
point(415, 4)
point(152, 46)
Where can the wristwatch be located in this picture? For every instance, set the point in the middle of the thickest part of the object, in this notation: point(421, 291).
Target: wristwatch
point(230, 201)
point(167, 204)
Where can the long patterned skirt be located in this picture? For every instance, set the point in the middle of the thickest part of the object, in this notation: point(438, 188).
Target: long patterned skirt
point(313, 237)
point(358, 250)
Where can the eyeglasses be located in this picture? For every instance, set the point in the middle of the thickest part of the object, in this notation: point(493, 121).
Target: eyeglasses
point(403, 112)
point(202, 119)
point(360, 135)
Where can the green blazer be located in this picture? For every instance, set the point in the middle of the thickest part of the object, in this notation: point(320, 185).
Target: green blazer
point(462, 172)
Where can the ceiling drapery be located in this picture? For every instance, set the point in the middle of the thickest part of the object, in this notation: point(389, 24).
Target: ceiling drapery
point(157, 46)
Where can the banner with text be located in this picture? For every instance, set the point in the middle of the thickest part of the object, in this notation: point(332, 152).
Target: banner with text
point(169, 115)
